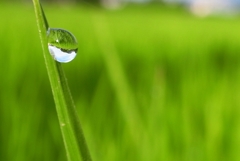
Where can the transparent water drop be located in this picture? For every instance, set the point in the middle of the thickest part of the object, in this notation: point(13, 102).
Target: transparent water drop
point(62, 45)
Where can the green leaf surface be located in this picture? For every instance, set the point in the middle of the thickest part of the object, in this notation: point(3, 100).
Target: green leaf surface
point(73, 137)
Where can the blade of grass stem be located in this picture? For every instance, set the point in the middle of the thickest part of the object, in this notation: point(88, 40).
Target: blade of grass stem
point(74, 140)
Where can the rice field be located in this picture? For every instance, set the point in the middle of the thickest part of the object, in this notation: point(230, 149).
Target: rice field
point(150, 83)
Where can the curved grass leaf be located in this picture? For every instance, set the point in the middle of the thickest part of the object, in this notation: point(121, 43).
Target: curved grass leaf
point(74, 141)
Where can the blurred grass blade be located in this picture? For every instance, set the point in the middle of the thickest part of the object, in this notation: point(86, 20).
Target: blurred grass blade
point(125, 96)
point(44, 18)
point(75, 144)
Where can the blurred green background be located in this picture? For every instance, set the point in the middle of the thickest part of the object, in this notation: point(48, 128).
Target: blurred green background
point(150, 83)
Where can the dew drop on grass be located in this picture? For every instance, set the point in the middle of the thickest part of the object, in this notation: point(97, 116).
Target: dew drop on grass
point(62, 45)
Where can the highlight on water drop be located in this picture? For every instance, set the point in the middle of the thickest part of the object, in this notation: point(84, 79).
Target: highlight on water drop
point(62, 45)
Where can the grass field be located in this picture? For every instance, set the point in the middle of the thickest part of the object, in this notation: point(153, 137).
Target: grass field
point(150, 83)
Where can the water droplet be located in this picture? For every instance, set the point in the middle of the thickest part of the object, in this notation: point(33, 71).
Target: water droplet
point(62, 45)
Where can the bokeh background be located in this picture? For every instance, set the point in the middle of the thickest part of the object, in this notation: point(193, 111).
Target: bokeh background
point(152, 81)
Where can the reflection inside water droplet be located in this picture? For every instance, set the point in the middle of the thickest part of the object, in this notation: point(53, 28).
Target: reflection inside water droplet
point(60, 55)
point(62, 45)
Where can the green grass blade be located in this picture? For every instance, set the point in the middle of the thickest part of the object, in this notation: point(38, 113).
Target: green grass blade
point(74, 141)
point(116, 73)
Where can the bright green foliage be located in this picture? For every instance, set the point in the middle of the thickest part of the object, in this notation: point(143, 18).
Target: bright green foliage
point(180, 73)
point(73, 137)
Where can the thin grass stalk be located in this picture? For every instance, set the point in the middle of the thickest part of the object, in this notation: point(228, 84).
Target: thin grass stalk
point(73, 137)
point(125, 96)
